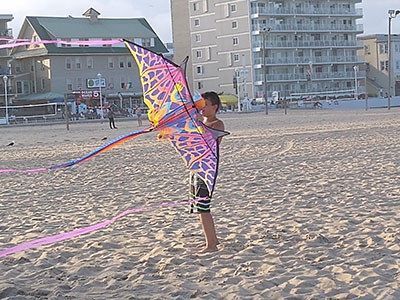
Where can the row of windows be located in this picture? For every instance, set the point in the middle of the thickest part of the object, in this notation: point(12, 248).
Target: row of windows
point(76, 63)
point(234, 23)
point(231, 7)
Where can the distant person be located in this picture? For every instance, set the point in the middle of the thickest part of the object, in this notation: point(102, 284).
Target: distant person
point(138, 112)
point(110, 115)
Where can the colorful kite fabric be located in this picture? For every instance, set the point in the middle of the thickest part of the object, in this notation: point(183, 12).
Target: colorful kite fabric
point(172, 112)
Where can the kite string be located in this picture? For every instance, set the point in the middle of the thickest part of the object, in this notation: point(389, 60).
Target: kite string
point(81, 231)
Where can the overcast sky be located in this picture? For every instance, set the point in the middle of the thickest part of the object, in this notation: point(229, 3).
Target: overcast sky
point(157, 12)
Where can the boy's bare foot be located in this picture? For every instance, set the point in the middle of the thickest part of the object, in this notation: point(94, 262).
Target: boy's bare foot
point(203, 245)
point(209, 250)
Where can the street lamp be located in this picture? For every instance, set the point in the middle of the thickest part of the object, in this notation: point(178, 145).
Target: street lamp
point(5, 78)
point(264, 32)
point(392, 14)
point(355, 83)
point(100, 96)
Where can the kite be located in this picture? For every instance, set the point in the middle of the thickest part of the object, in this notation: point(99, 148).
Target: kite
point(172, 113)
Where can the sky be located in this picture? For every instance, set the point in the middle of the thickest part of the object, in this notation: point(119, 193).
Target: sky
point(157, 12)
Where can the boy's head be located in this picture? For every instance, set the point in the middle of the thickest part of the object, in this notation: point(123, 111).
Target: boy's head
point(213, 98)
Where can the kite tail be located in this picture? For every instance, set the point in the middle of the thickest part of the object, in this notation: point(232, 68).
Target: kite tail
point(111, 144)
point(81, 231)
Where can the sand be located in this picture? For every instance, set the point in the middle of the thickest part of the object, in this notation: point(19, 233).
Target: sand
point(307, 206)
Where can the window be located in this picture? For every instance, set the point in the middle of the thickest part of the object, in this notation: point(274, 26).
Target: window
point(123, 84)
point(78, 63)
point(68, 63)
point(146, 43)
point(111, 83)
point(236, 57)
point(197, 38)
point(66, 45)
point(106, 45)
point(196, 22)
point(69, 85)
point(233, 8)
point(83, 40)
point(111, 63)
point(235, 41)
point(198, 54)
point(89, 62)
point(122, 62)
point(199, 85)
point(196, 6)
point(199, 69)
point(234, 24)
point(383, 48)
point(129, 62)
point(398, 65)
point(19, 87)
point(79, 83)
point(382, 65)
point(43, 84)
point(318, 69)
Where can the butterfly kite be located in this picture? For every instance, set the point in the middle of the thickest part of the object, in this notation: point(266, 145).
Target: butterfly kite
point(172, 113)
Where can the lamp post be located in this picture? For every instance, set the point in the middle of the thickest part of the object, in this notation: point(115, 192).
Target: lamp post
point(264, 32)
point(100, 96)
point(5, 78)
point(392, 14)
point(355, 83)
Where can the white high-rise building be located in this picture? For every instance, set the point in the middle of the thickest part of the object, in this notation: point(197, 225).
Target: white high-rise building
point(310, 46)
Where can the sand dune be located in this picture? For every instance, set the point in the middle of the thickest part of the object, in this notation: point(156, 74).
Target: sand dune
point(307, 206)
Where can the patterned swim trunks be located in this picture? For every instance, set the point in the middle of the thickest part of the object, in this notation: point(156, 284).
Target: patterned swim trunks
point(198, 189)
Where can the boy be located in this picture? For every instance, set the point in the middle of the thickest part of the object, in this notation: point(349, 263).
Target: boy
point(198, 188)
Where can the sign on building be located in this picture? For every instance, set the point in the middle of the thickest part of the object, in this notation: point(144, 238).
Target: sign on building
point(87, 94)
point(96, 83)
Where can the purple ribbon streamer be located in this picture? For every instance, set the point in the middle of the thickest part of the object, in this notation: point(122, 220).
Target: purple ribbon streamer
point(78, 43)
point(74, 233)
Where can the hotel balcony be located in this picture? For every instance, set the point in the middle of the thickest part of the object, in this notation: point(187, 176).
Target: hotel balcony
point(257, 12)
point(258, 78)
point(257, 46)
point(305, 60)
point(318, 28)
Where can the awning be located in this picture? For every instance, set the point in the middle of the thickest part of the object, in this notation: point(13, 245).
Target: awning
point(227, 99)
point(44, 97)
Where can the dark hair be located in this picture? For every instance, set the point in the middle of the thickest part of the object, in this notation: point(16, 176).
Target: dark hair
point(213, 97)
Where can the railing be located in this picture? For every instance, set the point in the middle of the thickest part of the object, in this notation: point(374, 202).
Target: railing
point(299, 44)
point(8, 33)
point(307, 60)
point(314, 75)
point(309, 27)
point(271, 10)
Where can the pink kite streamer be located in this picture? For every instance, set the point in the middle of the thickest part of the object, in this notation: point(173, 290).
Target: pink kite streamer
point(81, 231)
point(77, 43)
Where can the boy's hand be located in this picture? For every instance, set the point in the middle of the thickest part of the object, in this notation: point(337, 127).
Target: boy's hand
point(199, 117)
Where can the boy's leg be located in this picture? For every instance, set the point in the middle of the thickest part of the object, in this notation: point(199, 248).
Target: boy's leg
point(207, 224)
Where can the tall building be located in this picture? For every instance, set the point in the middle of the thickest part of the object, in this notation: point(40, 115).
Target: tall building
point(376, 56)
point(44, 71)
point(5, 33)
point(310, 47)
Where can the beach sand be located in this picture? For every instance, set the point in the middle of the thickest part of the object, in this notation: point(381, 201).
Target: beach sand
point(306, 206)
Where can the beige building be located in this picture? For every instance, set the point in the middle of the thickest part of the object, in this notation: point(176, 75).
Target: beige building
point(376, 56)
point(5, 33)
point(310, 46)
point(45, 71)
